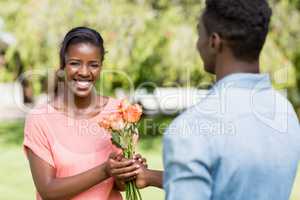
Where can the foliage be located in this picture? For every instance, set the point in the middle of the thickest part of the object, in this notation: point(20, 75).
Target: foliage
point(149, 43)
point(11, 133)
point(143, 38)
point(286, 36)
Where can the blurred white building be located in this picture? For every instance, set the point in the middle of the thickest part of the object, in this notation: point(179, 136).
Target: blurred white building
point(6, 39)
point(166, 101)
point(11, 100)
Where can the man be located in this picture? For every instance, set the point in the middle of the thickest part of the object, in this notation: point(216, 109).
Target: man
point(242, 141)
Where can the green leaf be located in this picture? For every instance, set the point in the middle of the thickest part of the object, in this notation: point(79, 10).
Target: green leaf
point(116, 140)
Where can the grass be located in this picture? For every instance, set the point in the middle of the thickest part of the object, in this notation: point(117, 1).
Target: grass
point(296, 189)
point(16, 182)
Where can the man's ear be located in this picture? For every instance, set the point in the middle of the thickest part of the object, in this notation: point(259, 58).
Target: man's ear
point(215, 43)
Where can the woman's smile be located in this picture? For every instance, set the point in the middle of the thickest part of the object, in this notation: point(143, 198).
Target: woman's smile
point(82, 84)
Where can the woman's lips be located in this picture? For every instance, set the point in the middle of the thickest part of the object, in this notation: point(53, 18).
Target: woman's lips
point(82, 85)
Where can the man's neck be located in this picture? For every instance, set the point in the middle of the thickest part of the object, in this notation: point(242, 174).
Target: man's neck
point(226, 67)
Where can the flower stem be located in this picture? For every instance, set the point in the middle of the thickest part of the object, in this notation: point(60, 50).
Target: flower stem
point(131, 190)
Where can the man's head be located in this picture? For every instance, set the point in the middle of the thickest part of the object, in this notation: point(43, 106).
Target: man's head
point(239, 26)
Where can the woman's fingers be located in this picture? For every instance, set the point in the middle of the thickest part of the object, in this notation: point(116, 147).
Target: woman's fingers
point(113, 155)
point(127, 176)
point(114, 164)
point(125, 169)
point(130, 178)
point(137, 156)
point(119, 157)
point(116, 156)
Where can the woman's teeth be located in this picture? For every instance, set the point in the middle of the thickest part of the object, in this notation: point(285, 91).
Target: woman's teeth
point(83, 84)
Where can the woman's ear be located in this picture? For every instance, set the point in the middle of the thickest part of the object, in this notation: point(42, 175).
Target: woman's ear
point(215, 43)
point(60, 74)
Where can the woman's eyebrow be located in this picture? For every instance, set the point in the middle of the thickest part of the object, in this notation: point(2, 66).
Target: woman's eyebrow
point(79, 60)
point(73, 59)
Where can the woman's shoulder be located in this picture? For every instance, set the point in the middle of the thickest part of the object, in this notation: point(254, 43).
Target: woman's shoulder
point(35, 121)
point(39, 111)
point(43, 108)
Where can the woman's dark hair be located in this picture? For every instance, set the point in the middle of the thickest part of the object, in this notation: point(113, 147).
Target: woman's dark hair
point(243, 24)
point(80, 35)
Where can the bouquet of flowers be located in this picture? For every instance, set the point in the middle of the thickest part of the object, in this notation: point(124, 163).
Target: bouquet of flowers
point(124, 134)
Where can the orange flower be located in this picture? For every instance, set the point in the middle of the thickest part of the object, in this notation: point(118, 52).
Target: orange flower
point(133, 113)
point(105, 123)
point(116, 121)
point(124, 105)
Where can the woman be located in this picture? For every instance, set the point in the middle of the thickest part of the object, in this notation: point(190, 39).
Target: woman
point(70, 155)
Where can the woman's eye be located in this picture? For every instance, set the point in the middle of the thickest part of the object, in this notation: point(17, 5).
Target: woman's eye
point(74, 63)
point(94, 65)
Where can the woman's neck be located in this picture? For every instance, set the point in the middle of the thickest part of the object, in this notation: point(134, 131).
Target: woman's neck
point(74, 102)
point(79, 107)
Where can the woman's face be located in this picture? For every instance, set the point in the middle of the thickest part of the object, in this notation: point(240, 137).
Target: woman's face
point(83, 66)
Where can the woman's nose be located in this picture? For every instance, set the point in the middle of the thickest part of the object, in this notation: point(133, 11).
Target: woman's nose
point(84, 70)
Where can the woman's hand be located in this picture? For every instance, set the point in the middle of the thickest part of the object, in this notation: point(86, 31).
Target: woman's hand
point(121, 168)
point(124, 170)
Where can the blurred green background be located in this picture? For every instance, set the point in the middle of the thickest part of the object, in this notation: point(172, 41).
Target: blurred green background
point(151, 41)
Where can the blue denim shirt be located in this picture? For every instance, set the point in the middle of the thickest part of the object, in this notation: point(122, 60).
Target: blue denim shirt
point(241, 142)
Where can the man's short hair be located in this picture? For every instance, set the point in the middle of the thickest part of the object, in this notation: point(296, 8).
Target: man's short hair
point(243, 24)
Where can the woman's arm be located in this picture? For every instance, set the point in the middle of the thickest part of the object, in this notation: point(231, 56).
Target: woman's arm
point(52, 188)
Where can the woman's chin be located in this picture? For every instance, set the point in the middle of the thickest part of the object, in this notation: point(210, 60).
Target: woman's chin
point(82, 93)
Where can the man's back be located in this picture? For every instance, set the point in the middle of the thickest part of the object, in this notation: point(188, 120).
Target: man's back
point(241, 142)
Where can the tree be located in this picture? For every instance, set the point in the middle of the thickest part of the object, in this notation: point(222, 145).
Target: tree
point(148, 41)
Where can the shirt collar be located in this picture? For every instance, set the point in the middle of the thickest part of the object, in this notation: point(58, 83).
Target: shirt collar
point(245, 80)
